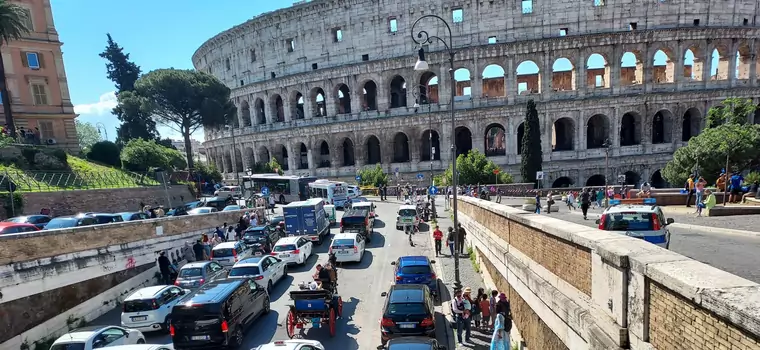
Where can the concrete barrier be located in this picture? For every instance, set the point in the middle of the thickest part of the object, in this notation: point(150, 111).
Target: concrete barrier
point(53, 280)
point(573, 287)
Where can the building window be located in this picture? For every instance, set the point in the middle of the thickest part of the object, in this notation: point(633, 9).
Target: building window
point(314, 66)
point(365, 57)
point(563, 32)
point(491, 40)
point(457, 15)
point(337, 34)
point(290, 44)
point(392, 25)
point(599, 81)
point(253, 55)
point(27, 20)
point(32, 60)
point(633, 25)
point(696, 22)
point(39, 94)
point(227, 64)
point(46, 129)
point(598, 3)
point(527, 7)
point(746, 22)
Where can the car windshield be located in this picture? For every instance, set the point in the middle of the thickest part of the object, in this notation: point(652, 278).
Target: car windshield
point(285, 248)
point(416, 270)
point(61, 223)
point(244, 271)
point(628, 222)
point(343, 243)
point(407, 212)
point(256, 232)
point(223, 252)
point(138, 305)
point(409, 346)
point(18, 219)
point(191, 272)
point(406, 309)
point(69, 346)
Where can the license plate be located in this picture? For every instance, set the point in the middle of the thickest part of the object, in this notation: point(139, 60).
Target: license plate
point(223, 260)
point(139, 318)
point(258, 254)
point(406, 325)
point(344, 252)
point(200, 337)
point(284, 255)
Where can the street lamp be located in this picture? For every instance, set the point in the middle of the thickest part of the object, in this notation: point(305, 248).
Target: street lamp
point(421, 38)
point(606, 145)
point(102, 129)
point(417, 100)
point(234, 154)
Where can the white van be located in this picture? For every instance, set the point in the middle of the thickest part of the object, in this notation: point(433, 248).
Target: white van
point(333, 192)
point(348, 246)
point(226, 191)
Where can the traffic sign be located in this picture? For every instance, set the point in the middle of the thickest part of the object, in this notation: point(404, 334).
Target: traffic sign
point(539, 175)
point(358, 178)
point(420, 176)
point(396, 170)
point(433, 190)
point(496, 171)
point(265, 191)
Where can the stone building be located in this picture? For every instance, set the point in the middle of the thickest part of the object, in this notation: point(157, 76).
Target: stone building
point(327, 87)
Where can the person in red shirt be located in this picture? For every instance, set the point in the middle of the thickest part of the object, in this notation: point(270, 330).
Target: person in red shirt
point(438, 237)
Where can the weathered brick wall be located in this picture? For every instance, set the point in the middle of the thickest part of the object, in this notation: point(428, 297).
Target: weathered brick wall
point(676, 323)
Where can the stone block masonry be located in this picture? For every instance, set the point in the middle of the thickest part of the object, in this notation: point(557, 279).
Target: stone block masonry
point(615, 293)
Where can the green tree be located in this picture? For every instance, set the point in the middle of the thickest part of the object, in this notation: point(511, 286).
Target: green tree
point(124, 73)
point(373, 176)
point(13, 19)
point(87, 135)
point(105, 152)
point(734, 110)
point(166, 142)
point(708, 151)
point(176, 158)
point(531, 154)
point(272, 166)
point(141, 155)
point(475, 168)
point(183, 100)
point(208, 173)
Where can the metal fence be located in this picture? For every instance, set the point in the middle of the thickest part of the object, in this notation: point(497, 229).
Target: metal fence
point(34, 181)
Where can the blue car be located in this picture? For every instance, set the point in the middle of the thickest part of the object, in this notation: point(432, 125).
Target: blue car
point(416, 270)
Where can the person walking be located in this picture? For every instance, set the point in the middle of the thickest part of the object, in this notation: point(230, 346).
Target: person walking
point(570, 201)
point(458, 312)
point(689, 187)
point(450, 240)
point(538, 203)
point(500, 337)
point(187, 252)
point(461, 235)
point(164, 266)
point(200, 252)
point(438, 238)
point(549, 202)
point(699, 188)
point(585, 202)
point(271, 203)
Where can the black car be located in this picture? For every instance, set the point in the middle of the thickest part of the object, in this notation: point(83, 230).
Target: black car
point(412, 343)
point(261, 238)
point(134, 216)
point(70, 222)
point(37, 220)
point(218, 314)
point(103, 218)
point(408, 311)
point(357, 220)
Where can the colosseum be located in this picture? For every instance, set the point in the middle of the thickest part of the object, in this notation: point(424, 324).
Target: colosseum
point(328, 86)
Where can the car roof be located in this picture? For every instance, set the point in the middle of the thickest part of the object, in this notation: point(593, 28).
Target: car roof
point(141, 347)
point(406, 206)
point(288, 240)
point(80, 334)
point(404, 293)
point(127, 212)
point(413, 260)
point(214, 291)
point(145, 293)
point(360, 204)
point(345, 235)
point(195, 264)
point(15, 224)
point(356, 211)
point(289, 344)
point(225, 245)
point(249, 262)
point(629, 208)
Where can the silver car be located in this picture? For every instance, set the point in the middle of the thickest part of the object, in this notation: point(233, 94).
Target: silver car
point(195, 274)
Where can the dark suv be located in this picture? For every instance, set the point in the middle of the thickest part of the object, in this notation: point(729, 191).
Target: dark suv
point(261, 238)
point(357, 220)
point(217, 315)
point(408, 311)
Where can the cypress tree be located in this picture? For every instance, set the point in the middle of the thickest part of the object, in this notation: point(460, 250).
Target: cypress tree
point(532, 156)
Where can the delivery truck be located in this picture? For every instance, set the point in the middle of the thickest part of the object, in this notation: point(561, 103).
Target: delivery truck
point(307, 218)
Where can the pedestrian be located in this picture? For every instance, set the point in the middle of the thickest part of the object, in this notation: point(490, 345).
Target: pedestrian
point(699, 190)
point(164, 267)
point(477, 315)
point(570, 201)
point(485, 309)
point(689, 187)
point(538, 203)
point(492, 305)
point(500, 337)
point(271, 203)
point(549, 202)
point(502, 306)
point(187, 252)
point(206, 241)
point(457, 311)
point(708, 203)
point(585, 202)
point(199, 251)
point(450, 240)
point(230, 233)
point(735, 182)
point(461, 235)
point(438, 238)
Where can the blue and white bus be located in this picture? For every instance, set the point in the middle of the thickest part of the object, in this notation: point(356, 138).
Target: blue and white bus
point(284, 188)
point(333, 192)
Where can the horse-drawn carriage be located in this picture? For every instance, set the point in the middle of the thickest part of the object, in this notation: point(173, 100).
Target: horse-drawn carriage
point(314, 308)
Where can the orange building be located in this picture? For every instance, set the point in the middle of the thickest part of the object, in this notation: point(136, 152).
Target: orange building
point(37, 82)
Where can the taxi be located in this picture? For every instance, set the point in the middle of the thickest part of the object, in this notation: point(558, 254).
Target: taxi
point(407, 216)
point(644, 221)
point(293, 344)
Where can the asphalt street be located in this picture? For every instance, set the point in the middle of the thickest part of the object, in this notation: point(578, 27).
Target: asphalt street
point(360, 286)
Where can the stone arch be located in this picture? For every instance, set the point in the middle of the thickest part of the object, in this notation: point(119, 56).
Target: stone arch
point(398, 92)
point(631, 68)
point(245, 112)
point(428, 88)
point(520, 135)
point(297, 103)
point(278, 108)
point(630, 129)
point(563, 181)
point(662, 127)
point(249, 157)
point(528, 78)
point(401, 150)
point(693, 64)
point(743, 61)
point(691, 124)
point(343, 99)
point(430, 145)
point(597, 131)
point(493, 81)
point(323, 157)
point(463, 140)
point(280, 153)
point(495, 140)
point(597, 71)
point(262, 154)
point(227, 161)
point(563, 134)
point(657, 181)
point(318, 99)
point(720, 71)
point(632, 178)
point(596, 181)
point(369, 96)
point(238, 160)
point(348, 154)
point(563, 75)
point(374, 155)
point(259, 111)
point(463, 78)
point(302, 160)
point(664, 69)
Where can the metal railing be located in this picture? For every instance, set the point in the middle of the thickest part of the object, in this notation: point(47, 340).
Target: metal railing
point(38, 181)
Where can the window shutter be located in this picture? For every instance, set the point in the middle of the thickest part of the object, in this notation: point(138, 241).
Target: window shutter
point(24, 60)
point(41, 60)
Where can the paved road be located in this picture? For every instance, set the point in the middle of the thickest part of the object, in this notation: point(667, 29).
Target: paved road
point(360, 286)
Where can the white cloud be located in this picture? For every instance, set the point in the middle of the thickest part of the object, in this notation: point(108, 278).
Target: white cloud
point(104, 106)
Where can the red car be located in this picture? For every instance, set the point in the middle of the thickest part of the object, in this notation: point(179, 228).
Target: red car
point(14, 227)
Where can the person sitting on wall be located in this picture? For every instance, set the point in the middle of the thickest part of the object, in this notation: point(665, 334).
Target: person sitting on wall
point(646, 191)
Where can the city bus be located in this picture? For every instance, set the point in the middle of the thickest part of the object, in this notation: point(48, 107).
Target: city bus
point(284, 188)
point(333, 192)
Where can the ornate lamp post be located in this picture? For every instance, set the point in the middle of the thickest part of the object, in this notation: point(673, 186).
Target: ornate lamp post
point(422, 37)
point(234, 154)
point(417, 101)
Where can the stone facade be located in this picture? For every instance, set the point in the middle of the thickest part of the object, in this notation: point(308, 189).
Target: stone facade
point(328, 87)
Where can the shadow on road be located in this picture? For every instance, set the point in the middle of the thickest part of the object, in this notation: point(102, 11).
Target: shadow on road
point(367, 260)
point(378, 240)
point(444, 294)
point(281, 287)
point(307, 266)
point(262, 330)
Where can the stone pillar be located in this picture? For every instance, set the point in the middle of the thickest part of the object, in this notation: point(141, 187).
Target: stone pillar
point(580, 78)
point(357, 94)
point(287, 109)
point(444, 86)
point(753, 69)
point(308, 106)
point(732, 65)
point(293, 158)
point(383, 97)
point(310, 161)
point(615, 70)
point(331, 102)
point(546, 77)
point(581, 130)
point(510, 76)
point(476, 83)
point(269, 111)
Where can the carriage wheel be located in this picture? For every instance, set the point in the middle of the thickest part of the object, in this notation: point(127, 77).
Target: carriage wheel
point(290, 324)
point(332, 322)
point(340, 307)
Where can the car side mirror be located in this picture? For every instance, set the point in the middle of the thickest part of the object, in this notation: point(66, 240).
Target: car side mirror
point(669, 221)
point(598, 221)
point(442, 347)
point(380, 347)
point(384, 294)
point(393, 263)
point(432, 261)
point(126, 335)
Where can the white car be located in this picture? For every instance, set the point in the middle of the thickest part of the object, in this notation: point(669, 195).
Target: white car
point(148, 309)
point(353, 192)
point(203, 210)
point(294, 344)
point(229, 253)
point(96, 337)
point(266, 271)
point(143, 347)
point(348, 247)
point(226, 191)
point(407, 216)
point(293, 250)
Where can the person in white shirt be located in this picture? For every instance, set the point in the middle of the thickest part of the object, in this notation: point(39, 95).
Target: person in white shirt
point(271, 203)
point(457, 311)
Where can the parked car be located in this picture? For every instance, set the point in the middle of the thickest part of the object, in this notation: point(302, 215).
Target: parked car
point(225, 191)
point(12, 227)
point(143, 347)
point(202, 210)
point(228, 254)
point(184, 208)
point(266, 271)
point(232, 208)
point(148, 309)
point(261, 239)
point(37, 220)
point(348, 247)
point(293, 250)
point(70, 222)
point(292, 344)
point(96, 337)
point(133, 216)
point(103, 218)
point(646, 222)
point(218, 314)
point(416, 343)
point(416, 270)
point(195, 274)
point(408, 311)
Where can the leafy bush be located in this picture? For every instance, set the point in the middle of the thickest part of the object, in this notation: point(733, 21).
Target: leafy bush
point(105, 152)
point(373, 176)
point(141, 155)
point(475, 168)
point(14, 208)
point(177, 160)
point(269, 167)
point(752, 177)
point(207, 173)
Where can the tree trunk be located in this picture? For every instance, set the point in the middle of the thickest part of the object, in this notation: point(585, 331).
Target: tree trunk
point(188, 148)
point(6, 99)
